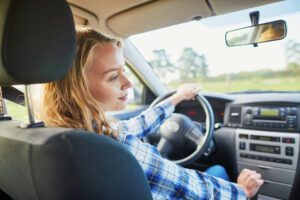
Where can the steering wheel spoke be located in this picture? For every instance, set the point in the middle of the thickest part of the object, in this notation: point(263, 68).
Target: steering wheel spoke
point(195, 136)
point(164, 147)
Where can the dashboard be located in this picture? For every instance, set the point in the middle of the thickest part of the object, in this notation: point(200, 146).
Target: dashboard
point(260, 131)
point(194, 110)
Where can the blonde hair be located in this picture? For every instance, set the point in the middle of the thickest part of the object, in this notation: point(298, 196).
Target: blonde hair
point(67, 102)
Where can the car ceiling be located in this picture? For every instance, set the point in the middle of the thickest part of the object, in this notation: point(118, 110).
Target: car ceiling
point(127, 17)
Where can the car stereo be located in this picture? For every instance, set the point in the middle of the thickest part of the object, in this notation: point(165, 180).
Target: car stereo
point(270, 117)
point(276, 149)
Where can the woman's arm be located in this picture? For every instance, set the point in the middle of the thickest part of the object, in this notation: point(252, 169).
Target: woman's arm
point(148, 121)
point(170, 181)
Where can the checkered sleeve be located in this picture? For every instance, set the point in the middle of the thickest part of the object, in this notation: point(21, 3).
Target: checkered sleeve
point(148, 121)
point(168, 180)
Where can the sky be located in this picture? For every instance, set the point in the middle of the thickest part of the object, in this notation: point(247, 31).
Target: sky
point(208, 37)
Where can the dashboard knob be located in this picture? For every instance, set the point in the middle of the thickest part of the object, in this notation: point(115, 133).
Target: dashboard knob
point(249, 111)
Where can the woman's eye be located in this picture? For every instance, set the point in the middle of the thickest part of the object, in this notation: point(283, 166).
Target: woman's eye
point(114, 77)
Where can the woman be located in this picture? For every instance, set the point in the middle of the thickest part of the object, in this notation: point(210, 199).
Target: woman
point(95, 84)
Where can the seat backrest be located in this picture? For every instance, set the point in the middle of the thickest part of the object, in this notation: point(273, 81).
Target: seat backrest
point(38, 44)
point(59, 163)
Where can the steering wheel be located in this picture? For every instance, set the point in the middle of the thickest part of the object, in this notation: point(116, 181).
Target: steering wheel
point(179, 130)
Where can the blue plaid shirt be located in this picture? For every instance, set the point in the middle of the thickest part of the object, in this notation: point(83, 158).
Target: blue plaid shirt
point(168, 180)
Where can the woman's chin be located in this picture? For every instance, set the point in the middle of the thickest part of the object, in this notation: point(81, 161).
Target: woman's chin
point(123, 106)
point(120, 107)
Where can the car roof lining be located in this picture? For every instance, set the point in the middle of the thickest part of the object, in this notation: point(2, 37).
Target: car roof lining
point(84, 17)
point(153, 16)
point(115, 17)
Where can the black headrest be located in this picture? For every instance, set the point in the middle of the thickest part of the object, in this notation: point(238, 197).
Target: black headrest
point(38, 41)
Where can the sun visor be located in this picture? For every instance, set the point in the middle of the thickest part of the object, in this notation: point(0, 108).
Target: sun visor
point(222, 7)
point(156, 14)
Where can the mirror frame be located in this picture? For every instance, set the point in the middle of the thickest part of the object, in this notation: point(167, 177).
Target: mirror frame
point(285, 33)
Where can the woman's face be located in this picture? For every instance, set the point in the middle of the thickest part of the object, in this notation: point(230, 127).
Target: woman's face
point(106, 79)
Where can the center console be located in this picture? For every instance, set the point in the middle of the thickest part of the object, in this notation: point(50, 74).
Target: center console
point(267, 141)
point(273, 155)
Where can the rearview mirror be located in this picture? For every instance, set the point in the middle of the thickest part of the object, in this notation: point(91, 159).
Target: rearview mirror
point(256, 34)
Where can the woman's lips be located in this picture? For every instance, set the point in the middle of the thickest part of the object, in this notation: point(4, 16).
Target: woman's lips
point(124, 98)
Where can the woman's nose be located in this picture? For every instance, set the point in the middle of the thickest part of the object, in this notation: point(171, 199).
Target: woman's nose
point(126, 84)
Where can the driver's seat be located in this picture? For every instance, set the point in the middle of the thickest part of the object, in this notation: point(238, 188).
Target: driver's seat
point(37, 46)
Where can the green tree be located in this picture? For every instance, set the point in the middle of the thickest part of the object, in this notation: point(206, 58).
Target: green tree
point(161, 59)
point(292, 49)
point(161, 62)
point(192, 65)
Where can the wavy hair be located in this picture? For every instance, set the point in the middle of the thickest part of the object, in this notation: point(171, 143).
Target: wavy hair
point(67, 102)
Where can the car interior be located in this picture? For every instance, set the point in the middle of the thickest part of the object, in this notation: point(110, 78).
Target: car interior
point(54, 163)
point(249, 128)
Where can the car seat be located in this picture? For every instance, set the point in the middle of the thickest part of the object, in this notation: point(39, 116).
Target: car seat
point(38, 43)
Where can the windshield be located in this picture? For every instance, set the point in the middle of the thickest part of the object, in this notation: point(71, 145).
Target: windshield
point(196, 52)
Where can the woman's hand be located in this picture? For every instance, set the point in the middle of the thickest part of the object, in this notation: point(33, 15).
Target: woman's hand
point(184, 92)
point(250, 181)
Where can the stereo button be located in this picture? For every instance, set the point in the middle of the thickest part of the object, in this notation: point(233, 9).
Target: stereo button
point(282, 125)
point(286, 161)
point(243, 136)
point(249, 111)
point(270, 125)
point(243, 155)
point(291, 126)
point(242, 145)
point(289, 151)
point(292, 111)
point(263, 158)
point(271, 159)
point(288, 140)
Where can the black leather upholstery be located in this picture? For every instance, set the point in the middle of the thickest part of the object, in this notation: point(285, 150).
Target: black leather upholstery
point(55, 163)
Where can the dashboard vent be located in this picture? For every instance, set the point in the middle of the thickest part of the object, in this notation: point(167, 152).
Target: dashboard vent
point(235, 115)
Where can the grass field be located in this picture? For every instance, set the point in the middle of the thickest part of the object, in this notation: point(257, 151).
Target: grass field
point(282, 84)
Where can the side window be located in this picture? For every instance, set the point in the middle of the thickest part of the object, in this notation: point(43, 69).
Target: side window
point(17, 111)
point(135, 92)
